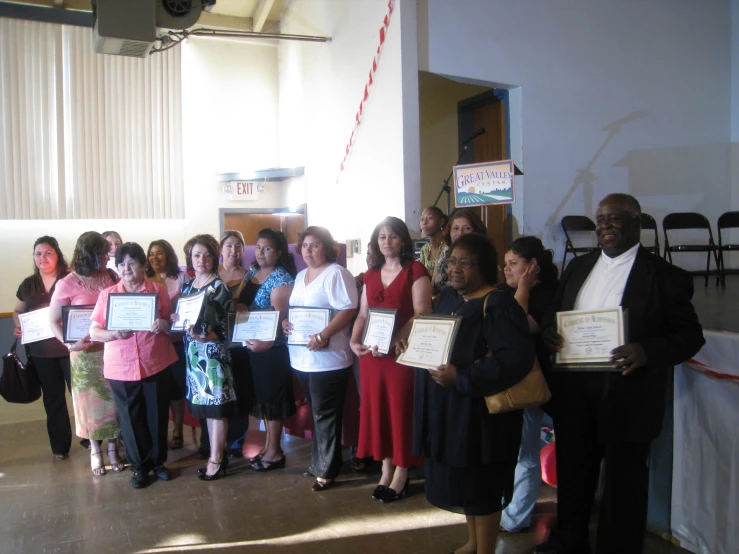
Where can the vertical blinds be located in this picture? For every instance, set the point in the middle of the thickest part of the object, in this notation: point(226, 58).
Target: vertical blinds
point(85, 135)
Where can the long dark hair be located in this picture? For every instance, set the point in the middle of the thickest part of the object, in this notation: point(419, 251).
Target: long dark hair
point(397, 226)
point(86, 257)
point(477, 225)
point(279, 242)
point(61, 265)
point(172, 268)
point(487, 255)
point(530, 248)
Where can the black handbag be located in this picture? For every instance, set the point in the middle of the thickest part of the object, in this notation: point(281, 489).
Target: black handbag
point(19, 383)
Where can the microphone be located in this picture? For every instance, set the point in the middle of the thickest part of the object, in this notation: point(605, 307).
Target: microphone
point(480, 131)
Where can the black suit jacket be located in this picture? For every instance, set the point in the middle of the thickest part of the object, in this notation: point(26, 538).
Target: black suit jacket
point(662, 319)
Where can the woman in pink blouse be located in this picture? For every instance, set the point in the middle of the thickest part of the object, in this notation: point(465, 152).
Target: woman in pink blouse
point(136, 366)
point(94, 409)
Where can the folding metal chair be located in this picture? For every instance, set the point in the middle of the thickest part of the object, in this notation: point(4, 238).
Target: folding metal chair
point(648, 223)
point(691, 221)
point(577, 224)
point(728, 220)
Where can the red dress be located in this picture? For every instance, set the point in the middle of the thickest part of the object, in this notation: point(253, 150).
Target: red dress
point(386, 413)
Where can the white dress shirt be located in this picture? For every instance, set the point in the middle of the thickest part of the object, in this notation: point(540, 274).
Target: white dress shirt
point(604, 287)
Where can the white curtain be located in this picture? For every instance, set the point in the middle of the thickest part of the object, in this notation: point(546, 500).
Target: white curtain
point(86, 135)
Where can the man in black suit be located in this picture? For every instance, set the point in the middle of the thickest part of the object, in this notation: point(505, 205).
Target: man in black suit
point(614, 415)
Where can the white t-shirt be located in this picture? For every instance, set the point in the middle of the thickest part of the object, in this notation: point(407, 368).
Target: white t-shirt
point(334, 288)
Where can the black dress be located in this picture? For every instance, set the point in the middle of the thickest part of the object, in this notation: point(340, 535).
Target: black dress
point(471, 455)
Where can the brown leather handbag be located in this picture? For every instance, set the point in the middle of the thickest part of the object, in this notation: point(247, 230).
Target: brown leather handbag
point(532, 391)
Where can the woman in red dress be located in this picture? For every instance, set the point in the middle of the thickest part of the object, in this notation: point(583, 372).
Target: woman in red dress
point(396, 281)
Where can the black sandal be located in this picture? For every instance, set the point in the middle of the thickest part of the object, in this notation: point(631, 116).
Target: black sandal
point(277, 464)
point(178, 441)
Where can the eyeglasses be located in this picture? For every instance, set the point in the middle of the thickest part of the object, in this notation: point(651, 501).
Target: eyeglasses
point(464, 264)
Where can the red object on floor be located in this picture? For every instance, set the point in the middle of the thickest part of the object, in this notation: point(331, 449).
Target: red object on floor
point(549, 465)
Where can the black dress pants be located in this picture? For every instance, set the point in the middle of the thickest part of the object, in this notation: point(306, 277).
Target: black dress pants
point(143, 412)
point(54, 376)
point(623, 511)
point(325, 391)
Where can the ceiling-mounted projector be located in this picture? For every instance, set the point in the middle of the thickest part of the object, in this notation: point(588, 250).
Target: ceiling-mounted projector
point(129, 28)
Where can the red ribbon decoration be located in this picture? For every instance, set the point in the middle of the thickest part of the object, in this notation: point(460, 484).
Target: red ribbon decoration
point(367, 86)
point(703, 368)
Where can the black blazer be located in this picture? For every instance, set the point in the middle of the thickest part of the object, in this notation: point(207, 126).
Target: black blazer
point(662, 319)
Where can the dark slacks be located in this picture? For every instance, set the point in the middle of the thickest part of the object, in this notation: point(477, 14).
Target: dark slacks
point(143, 412)
point(325, 391)
point(623, 510)
point(54, 376)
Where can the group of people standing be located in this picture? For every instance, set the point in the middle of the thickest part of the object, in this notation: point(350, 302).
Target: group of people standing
point(485, 466)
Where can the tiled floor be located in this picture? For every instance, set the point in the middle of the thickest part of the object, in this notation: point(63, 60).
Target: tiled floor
point(59, 507)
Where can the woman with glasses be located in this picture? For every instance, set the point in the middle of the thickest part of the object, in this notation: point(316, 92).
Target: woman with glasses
point(398, 282)
point(471, 454)
point(50, 356)
point(462, 222)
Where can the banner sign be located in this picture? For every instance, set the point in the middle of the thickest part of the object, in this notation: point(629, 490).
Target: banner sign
point(484, 184)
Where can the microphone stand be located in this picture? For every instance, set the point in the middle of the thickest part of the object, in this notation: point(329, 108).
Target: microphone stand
point(445, 184)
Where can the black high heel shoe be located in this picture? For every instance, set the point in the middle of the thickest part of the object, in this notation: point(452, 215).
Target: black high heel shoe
point(391, 496)
point(203, 470)
point(378, 492)
point(222, 467)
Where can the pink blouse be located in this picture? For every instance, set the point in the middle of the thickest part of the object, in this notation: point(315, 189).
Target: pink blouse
point(144, 354)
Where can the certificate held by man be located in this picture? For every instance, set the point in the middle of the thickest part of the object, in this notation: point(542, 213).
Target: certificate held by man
point(378, 330)
point(131, 311)
point(188, 309)
point(588, 338)
point(306, 323)
point(430, 342)
point(35, 326)
point(256, 325)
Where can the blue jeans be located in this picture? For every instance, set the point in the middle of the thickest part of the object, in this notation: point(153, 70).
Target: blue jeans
point(527, 480)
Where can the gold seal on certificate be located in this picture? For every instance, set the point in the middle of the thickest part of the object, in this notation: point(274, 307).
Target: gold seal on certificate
point(306, 322)
point(261, 325)
point(378, 330)
point(35, 326)
point(589, 336)
point(188, 310)
point(430, 342)
point(76, 322)
point(134, 311)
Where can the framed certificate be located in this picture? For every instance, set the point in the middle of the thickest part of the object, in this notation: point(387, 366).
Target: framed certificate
point(589, 336)
point(306, 322)
point(35, 326)
point(188, 308)
point(430, 342)
point(131, 311)
point(76, 322)
point(378, 329)
point(258, 325)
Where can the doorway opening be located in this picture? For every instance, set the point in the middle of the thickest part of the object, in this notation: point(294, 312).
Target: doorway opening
point(250, 221)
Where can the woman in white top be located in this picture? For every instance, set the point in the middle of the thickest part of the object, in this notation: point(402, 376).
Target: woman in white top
point(323, 365)
point(162, 267)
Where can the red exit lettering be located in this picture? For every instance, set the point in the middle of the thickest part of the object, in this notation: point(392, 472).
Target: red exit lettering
point(245, 188)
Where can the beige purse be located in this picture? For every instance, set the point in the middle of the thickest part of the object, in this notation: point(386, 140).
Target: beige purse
point(532, 391)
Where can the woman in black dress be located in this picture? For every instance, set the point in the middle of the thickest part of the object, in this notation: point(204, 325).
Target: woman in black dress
point(470, 454)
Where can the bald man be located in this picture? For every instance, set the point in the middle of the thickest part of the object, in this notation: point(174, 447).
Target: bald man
point(614, 415)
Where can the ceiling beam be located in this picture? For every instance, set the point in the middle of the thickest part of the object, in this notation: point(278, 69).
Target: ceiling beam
point(260, 14)
point(225, 22)
point(77, 5)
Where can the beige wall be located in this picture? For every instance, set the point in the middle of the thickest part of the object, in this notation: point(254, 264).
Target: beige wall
point(438, 98)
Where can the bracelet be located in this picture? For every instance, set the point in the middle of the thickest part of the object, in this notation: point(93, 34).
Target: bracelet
point(319, 339)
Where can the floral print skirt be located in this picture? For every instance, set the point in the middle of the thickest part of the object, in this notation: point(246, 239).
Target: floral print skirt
point(95, 413)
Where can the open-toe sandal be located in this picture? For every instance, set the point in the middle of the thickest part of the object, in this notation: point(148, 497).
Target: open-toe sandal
point(266, 465)
point(177, 442)
point(115, 465)
point(60, 457)
point(98, 471)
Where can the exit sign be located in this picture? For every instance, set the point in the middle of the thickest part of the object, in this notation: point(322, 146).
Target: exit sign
point(242, 190)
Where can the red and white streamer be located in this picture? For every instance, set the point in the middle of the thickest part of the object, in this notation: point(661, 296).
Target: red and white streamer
point(367, 86)
point(711, 372)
